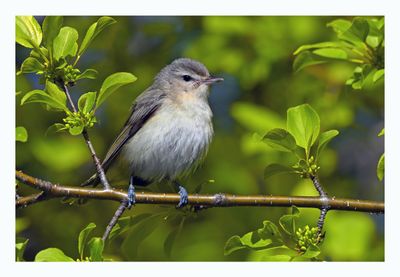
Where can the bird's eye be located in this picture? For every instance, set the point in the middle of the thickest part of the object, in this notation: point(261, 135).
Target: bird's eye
point(186, 78)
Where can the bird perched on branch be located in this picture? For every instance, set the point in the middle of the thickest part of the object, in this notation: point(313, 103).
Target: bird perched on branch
point(169, 129)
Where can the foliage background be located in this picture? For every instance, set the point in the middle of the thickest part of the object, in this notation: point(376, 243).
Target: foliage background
point(254, 55)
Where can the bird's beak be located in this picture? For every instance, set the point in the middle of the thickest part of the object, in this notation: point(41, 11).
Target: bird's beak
point(210, 80)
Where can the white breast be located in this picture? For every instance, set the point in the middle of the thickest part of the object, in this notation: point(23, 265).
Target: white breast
point(172, 142)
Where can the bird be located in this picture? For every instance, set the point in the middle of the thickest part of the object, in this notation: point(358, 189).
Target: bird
point(169, 130)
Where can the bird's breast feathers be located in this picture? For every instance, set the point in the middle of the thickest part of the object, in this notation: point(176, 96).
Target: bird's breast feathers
point(172, 141)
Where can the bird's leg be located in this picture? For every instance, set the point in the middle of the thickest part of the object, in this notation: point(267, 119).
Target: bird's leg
point(131, 192)
point(183, 201)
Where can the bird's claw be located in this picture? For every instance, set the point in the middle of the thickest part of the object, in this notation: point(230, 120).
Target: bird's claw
point(183, 201)
point(131, 196)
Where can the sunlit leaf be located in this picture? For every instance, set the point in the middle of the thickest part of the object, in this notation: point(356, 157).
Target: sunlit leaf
point(280, 139)
point(325, 44)
point(382, 132)
point(21, 134)
point(88, 74)
point(76, 130)
point(83, 236)
point(96, 247)
point(333, 53)
point(51, 28)
point(112, 83)
point(303, 123)
point(380, 169)
point(288, 221)
point(31, 65)
point(56, 93)
point(378, 75)
point(94, 30)
point(306, 58)
point(65, 43)
point(311, 252)
point(340, 25)
point(28, 32)
point(86, 102)
point(39, 96)
point(52, 255)
point(20, 246)
point(324, 139)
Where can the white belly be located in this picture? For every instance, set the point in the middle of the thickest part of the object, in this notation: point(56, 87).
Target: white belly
point(170, 143)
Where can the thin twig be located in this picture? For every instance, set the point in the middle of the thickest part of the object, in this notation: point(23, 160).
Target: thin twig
point(216, 200)
point(32, 199)
point(96, 160)
point(114, 219)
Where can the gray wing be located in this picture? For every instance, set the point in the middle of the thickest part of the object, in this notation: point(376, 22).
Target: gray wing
point(144, 108)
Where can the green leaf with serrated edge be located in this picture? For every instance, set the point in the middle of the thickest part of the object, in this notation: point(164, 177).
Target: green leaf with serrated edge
point(28, 32)
point(96, 247)
point(324, 139)
point(52, 255)
point(56, 93)
point(378, 75)
point(382, 132)
point(39, 96)
point(20, 246)
point(112, 83)
point(65, 43)
point(304, 124)
point(76, 130)
point(139, 233)
point(311, 252)
point(86, 102)
point(51, 28)
point(288, 221)
point(273, 169)
point(31, 65)
point(326, 44)
point(94, 30)
point(332, 53)
point(21, 134)
point(306, 58)
point(88, 74)
point(82, 238)
point(380, 169)
point(281, 140)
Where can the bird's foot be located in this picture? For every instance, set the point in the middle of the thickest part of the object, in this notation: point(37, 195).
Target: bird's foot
point(131, 195)
point(183, 201)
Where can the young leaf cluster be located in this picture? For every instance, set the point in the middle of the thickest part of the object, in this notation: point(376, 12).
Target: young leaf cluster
point(302, 139)
point(360, 41)
point(54, 56)
point(289, 242)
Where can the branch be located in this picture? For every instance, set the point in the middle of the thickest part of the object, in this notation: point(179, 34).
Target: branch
point(216, 200)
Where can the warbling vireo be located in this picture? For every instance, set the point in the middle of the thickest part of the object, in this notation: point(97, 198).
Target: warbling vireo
point(169, 129)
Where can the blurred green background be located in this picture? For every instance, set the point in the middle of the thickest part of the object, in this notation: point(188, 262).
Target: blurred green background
point(254, 55)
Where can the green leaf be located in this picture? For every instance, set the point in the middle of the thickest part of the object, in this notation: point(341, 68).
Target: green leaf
point(359, 77)
point(28, 32)
point(76, 130)
point(31, 65)
point(39, 96)
point(51, 28)
point(65, 43)
point(288, 221)
point(88, 74)
point(112, 83)
point(269, 231)
point(96, 247)
point(52, 255)
point(233, 244)
point(82, 238)
point(303, 123)
point(56, 93)
point(339, 26)
point(311, 252)
point(305, 59)
point(378, 75)
point(56, 127)
point(94, 30)
point(380, 169)
point(324, 139)
point(382, 132)
point(333, 53)
point(86, 102)
point(273, 169)
point(20, 247)
point(357, 32)
point(21, 134)
point(325, 44)
point(281, 140)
